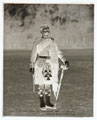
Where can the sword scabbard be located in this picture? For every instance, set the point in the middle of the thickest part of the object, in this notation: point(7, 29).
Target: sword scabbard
point(59, 86)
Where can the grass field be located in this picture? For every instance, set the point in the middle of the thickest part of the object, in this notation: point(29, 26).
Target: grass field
point(76, 94)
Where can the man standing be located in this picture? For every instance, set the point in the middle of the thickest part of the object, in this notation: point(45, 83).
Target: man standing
point(45, 66)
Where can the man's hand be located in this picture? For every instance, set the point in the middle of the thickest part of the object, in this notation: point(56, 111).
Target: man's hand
point(31, 70)
point(67, 64)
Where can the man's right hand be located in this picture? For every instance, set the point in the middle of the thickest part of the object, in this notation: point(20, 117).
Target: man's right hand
point(31, 70)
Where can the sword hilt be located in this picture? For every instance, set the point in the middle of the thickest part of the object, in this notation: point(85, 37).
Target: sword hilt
point(63, 67)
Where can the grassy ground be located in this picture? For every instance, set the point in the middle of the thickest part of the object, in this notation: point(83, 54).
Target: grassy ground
point(76, 94)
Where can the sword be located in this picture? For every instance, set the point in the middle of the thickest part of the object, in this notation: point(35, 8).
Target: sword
point(33, 76)
point(60, 81)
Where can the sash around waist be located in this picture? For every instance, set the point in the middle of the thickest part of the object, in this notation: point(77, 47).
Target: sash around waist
point(45, 57)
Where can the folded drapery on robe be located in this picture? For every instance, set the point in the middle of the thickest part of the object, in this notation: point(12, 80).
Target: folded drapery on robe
point(49, 54)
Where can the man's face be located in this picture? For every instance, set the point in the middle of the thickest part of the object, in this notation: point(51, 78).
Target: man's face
point(45, 34)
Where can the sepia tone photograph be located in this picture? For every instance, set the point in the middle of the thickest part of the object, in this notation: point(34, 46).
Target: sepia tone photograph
point(48, 60)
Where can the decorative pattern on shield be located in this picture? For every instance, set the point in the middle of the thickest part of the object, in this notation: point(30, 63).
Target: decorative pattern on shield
point(47, 73)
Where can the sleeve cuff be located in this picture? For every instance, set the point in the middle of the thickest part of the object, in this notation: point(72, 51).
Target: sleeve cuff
point(32, 65)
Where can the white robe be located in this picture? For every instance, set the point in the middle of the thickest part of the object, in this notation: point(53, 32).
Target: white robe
point(46, 47)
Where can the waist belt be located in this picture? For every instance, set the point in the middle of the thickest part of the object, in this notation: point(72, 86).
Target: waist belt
point(45, 57)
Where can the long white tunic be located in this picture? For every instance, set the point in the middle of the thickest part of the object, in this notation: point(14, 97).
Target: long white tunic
point(46, 48)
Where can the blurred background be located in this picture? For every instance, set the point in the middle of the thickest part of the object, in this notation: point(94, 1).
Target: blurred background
point(71, 25)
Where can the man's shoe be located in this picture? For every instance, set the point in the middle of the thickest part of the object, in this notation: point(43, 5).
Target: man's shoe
point(49, 105)
point(43, 108)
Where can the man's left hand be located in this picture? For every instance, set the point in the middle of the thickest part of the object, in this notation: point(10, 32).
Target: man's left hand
point(65, 66)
